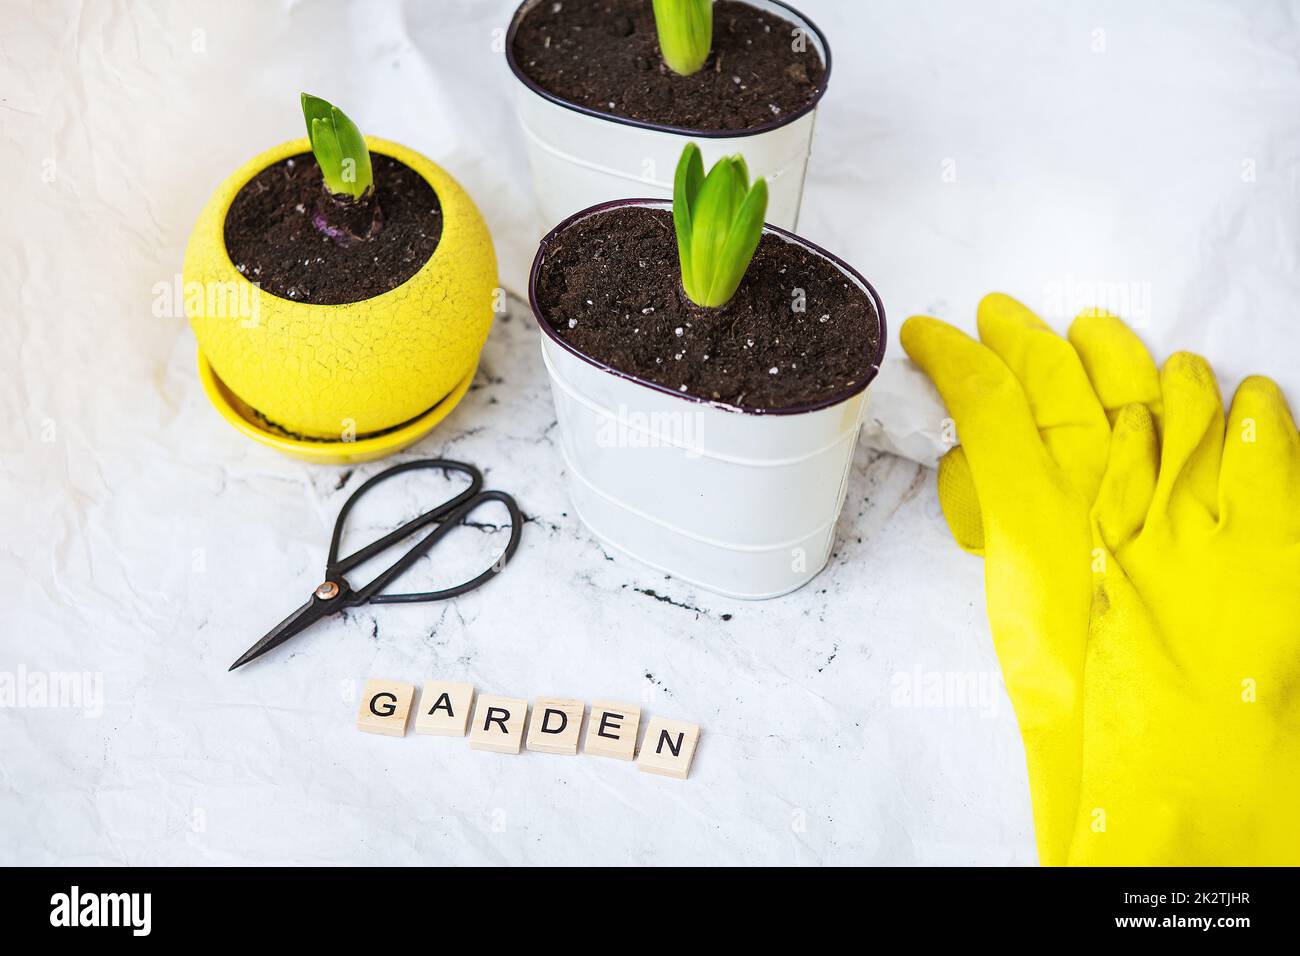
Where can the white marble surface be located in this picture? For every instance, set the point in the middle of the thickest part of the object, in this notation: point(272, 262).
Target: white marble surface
point(147, 544)
point(170, 543)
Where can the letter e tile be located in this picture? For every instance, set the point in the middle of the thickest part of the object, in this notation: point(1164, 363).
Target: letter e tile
point(611, 730)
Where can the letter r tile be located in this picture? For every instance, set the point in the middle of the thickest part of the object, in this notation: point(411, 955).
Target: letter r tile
point(385, 707)
point(611, 730)
point(555, 725)
point(498, 724)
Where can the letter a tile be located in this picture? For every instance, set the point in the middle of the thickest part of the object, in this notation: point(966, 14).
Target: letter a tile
point(444, 708)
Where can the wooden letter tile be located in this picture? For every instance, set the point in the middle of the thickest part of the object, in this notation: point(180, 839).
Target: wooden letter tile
point(385, 706)
point(611, 730)
point(555, 725)
point(668, 747)
point(444, 708)
point(498, 724)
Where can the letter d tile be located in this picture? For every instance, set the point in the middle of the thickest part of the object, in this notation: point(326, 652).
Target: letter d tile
point(555, 725)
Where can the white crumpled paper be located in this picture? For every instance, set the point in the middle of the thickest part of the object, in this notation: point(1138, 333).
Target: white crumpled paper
point(1136, 155)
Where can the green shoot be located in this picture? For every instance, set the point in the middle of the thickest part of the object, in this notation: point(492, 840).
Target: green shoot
point(719, 220)
point(339, 147)
point(685, 30)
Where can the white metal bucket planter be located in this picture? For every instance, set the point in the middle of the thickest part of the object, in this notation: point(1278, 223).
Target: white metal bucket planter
point(581, 157)
point(738, 502)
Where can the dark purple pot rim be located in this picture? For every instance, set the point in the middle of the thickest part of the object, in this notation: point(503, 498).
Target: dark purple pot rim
point(804, 110)
point(812, 247)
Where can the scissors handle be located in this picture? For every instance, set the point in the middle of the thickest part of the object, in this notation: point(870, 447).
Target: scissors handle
point(370, 591)
point(336, 568)
point(447, 515)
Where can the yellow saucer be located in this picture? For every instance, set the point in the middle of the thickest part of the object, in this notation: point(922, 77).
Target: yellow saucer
point(246, 420)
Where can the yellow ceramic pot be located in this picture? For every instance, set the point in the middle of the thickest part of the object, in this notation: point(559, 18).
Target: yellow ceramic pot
point(325, 371)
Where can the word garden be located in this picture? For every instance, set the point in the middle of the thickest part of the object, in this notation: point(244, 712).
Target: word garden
point(503, 724)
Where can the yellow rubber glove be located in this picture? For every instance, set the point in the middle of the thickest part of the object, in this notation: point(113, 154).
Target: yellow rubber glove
point(1192, 687)
point(1035, 438)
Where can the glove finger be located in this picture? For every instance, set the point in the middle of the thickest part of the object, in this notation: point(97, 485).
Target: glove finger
point(1259, 484)
point(1121, 372)
point(1065, 408)
point(986, 401)
point(960, 501)
point(1188, 488)
point(1119, 366)
point(1127, 489)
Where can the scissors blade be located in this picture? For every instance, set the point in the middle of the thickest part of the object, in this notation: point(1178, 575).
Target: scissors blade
point(295, 623)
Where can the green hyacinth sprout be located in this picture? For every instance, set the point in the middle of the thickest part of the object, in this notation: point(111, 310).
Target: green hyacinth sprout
point(685, 30)
point(719, 220)
point(339, 148)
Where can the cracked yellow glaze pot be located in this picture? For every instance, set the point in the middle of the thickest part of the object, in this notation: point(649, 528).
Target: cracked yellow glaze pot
point(332, 372)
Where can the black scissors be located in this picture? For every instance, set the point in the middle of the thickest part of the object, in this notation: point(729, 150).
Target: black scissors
point(334, 594)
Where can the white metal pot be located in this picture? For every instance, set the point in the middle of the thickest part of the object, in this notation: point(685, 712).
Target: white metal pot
point(581, 157)
point(735, 501)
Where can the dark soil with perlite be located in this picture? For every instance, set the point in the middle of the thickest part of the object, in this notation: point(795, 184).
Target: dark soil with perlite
point(271, 239)
point(604, 55)
point(610, 286)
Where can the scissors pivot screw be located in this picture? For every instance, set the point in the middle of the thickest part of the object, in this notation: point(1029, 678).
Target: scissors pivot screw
point(327, 590)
